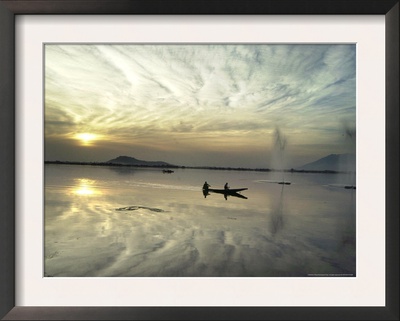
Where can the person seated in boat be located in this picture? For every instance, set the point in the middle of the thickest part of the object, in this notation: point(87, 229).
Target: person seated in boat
point(206, 186)
point(226, 188)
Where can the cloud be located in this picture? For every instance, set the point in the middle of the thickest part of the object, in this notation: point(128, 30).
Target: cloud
point(162, 92)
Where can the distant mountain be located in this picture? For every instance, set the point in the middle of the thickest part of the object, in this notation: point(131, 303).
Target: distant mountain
point(333, 162)
point(126, 160)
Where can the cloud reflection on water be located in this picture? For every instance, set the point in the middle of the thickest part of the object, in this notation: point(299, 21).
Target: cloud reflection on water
point(279, 231)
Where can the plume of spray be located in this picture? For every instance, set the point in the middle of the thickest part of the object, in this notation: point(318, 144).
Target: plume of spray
point(348, 163)
point(278, 152)
point(349, 133)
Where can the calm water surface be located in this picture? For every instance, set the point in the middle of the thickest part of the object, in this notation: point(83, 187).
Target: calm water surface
point(118, 221)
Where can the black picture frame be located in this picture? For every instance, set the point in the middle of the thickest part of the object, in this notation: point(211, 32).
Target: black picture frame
point(10, 8)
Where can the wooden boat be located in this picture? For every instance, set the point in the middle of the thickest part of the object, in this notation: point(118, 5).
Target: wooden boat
point(226, 191)
point(168, 171)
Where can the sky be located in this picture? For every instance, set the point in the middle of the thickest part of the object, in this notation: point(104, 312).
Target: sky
point(236, 105)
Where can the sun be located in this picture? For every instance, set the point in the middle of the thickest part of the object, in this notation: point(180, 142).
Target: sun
point(86, 139)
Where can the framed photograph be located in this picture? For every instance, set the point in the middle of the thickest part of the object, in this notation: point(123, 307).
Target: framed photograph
point(199, 160)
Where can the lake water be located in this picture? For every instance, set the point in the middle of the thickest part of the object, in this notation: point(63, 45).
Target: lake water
point(136, 222)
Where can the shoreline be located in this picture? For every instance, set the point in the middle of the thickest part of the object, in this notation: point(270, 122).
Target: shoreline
point(107, 164)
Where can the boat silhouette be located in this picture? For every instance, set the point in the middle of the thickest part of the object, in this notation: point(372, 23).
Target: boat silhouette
point(226, 192)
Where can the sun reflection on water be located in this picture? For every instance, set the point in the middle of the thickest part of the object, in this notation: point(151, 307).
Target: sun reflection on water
point(85, 187)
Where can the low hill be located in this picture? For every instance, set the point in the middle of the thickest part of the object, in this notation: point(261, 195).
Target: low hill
point(333, 162)
point(126, 160)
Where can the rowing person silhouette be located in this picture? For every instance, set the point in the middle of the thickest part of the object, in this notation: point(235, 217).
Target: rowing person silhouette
point(205, 189)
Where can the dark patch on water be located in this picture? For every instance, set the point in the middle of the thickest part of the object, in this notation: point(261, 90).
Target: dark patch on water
point(135, 208)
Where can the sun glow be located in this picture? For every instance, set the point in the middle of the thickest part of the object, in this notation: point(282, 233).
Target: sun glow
point(84, 191)
point(86, 139)
point(85, 187)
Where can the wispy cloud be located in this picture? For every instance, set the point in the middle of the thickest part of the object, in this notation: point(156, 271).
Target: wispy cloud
point(132, 94)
